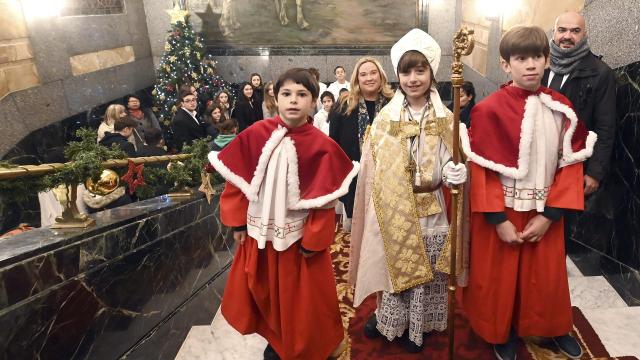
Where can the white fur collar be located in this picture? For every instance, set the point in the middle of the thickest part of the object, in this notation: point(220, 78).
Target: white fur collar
point(251, 190)
point(526, 136)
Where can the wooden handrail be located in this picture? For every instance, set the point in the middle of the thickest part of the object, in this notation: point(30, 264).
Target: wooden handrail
point(44, 169)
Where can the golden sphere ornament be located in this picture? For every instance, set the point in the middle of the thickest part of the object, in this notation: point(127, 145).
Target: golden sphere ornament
point(106, 184)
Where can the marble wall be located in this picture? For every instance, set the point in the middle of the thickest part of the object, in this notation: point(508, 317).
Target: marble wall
point(54, 41)
point(144, 274)
point(17, 68)
point(606, 240)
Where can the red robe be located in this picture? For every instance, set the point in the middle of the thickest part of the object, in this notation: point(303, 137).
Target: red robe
point(289, 300)
point(521, 286)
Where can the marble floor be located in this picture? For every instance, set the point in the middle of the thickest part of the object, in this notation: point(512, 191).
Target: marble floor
point(617, 325)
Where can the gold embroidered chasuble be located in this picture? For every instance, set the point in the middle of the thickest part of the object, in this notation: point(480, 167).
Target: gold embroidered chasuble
point(398, 209)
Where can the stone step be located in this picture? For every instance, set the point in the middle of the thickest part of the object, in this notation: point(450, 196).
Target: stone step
point(618, 329)
point(594, 292)
point(220, 341)
point(572, 269)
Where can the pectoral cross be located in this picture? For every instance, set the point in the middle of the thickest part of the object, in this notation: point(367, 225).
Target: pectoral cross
point(411, 168)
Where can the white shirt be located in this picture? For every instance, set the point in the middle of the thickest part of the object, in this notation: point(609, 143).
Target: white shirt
point(552, 74)
point(323, 88)
point(320, 121)
point(335, 87)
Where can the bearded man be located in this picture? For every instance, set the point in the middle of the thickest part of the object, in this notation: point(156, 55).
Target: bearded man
point(590, 85)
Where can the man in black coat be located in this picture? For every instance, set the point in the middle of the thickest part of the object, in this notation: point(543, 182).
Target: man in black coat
point(590, 85)
point(122, 130)
point(185, 124)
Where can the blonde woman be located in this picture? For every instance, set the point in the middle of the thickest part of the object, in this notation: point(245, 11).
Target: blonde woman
point(113, 113)
point(349, 119)
point(269, 106)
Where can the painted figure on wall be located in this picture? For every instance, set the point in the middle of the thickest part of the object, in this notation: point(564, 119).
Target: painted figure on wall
point(281, 10)
point(300, 22)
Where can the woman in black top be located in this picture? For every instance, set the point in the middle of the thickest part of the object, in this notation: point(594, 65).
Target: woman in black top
point(258, 90)
point(467, 101)
point(245, 111)
point(349, 118)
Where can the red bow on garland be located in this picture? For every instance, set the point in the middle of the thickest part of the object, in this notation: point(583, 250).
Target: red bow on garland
point(134, 177)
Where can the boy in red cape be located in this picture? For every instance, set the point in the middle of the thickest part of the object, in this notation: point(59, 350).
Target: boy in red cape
point(283, 179)
point(526, 148)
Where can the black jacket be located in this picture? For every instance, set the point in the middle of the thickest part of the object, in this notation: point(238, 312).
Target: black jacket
point(246, 114)
point(148, 150)
point(186, 129)
point(211, 130)
point(258, 98)
point(115, 138)
point(465, 113)
point(343, 129)
point(591, 87)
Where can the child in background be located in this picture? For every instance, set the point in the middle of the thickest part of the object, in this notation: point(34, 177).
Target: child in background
point(340, 83)
point(283, 179)
point(227, 130)
point(321, 119)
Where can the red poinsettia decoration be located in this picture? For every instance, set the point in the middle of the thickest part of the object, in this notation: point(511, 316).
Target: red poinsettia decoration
point(134, 177)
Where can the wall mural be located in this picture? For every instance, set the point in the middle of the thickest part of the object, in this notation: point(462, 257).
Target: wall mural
point(273, 23)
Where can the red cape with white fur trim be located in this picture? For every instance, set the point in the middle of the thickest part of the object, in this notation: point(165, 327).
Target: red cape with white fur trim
point(324, 171)
point(501, 122)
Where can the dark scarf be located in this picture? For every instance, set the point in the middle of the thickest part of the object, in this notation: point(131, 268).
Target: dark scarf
point(363, 115)
point(564, 61)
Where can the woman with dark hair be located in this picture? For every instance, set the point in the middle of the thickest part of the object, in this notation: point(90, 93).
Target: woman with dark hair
point(245, 111)
point(224, 100)
point(258, 89)
point(213, 116)
point(467, 101)
point(144, 118)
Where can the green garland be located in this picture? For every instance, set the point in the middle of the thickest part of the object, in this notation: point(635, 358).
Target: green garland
point(19, 190)
point(182, 175)
point(86, 157)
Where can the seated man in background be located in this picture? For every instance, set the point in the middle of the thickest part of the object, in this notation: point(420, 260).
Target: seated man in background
point(122, 129)
point(154, 143)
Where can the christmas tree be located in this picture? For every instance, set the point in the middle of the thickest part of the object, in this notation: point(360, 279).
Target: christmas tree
point(212, 83)
point(180, 64)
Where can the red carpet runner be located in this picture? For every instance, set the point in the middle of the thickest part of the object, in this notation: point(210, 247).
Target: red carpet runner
point(467, 346)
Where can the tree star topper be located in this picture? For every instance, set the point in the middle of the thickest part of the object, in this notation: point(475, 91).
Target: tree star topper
point(177, 14)
point(134, 177)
